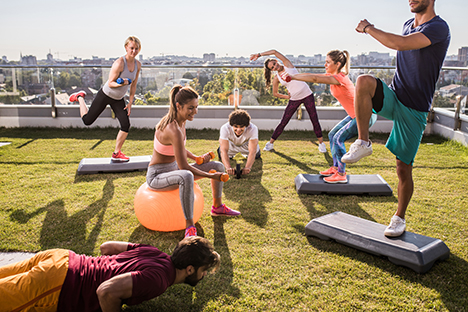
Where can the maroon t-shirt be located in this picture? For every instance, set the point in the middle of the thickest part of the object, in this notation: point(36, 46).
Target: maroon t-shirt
point(152, 273)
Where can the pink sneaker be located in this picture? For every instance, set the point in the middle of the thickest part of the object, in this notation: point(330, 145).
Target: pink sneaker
point(119, 156)
point(74, 97)
point(336, 178)
point(190, 231)
point(329, 172)
point(224, 210)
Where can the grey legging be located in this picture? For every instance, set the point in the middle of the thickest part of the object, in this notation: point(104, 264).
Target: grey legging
point(167, 177)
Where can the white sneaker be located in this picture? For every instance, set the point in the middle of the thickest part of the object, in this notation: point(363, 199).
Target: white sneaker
point(268, 147)
point(322, 148)
point(356, 152)
point(396, 228)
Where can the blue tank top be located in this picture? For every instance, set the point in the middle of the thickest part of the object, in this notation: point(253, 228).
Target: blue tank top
point(417, 71)
point(119, 93)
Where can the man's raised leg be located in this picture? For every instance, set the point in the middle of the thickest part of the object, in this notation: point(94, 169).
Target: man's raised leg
point(362, 147)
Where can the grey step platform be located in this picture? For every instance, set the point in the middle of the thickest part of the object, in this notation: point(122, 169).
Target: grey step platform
point(414, 251)
point(107, 165)
point(366, 184)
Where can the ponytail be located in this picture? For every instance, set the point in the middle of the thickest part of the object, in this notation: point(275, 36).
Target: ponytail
point(180, 95)
point(342, 57)
point(347, 65)
point(267, 72)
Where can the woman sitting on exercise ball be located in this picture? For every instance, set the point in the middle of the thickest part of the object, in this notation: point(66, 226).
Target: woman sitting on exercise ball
point(169, 169)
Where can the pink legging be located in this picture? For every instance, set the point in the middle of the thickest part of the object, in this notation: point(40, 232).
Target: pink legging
point(291, 108)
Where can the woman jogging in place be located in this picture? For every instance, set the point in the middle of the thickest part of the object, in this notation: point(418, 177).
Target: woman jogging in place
point(299, 92)
point(169, 169)
point(123, 75)
point(337, 66)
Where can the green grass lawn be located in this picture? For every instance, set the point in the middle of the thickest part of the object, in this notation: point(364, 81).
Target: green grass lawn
point(268, 264)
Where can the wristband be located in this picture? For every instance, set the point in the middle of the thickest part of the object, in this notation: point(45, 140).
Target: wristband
point(364, 30)
point(259, 55)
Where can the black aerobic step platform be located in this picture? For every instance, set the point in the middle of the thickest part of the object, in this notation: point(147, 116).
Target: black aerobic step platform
point(367, 184)
point(107, 165)
point(411, 250)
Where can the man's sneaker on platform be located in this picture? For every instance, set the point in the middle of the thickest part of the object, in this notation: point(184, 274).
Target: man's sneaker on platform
point(396, 228)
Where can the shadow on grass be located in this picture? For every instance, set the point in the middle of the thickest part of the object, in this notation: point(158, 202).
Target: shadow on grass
point(24, 144)
point(241, 190)
point(97, 144)
point(70, 232)
point(81, 178)
point(183, 297)
point(304, 167)
point(350, 204)
point(91, 133)
point(444, 277)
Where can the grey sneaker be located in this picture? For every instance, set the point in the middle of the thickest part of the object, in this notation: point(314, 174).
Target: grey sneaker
point(396, 228)
point(322, 148)
point(356, 152)
point(268, 147)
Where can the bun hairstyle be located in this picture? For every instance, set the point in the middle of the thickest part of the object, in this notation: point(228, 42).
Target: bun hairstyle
point(178, 94)
point(343, 58)
point(267, 72)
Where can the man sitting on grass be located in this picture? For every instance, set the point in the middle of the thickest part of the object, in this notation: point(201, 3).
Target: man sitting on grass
point(126, 273)
point(238, 135)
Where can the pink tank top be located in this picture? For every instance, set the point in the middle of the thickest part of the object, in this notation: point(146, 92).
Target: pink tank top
point(162, 149)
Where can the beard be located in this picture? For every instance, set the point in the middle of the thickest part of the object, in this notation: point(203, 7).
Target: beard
point(192, 279)
point(421, 7)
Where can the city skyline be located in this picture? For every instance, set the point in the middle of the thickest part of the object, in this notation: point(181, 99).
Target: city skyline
point(220, 27)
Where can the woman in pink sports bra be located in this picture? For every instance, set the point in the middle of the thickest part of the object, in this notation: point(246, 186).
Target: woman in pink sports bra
point(169, 168)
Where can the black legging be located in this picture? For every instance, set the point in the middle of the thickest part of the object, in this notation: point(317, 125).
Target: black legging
point(99, 104)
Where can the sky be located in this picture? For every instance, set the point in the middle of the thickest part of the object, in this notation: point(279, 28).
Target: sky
point(227, 28)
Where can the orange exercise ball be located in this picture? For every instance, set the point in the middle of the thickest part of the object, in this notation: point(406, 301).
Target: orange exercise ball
point(162, 211)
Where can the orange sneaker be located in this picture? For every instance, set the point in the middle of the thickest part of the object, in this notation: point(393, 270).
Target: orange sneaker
point(329, 172)
point(336, 178)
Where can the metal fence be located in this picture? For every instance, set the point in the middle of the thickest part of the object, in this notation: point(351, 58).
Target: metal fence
point(217, 84)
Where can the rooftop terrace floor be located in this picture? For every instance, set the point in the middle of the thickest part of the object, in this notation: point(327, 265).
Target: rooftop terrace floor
point(268, 264)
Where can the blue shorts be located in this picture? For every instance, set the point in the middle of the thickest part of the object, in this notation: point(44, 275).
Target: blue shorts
point(408, 126)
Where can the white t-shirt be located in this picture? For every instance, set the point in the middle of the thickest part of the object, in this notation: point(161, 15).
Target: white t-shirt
point(238, 143)
point(297, 89)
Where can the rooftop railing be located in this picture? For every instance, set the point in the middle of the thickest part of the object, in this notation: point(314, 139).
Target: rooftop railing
point(32, 84)
point(37, 95)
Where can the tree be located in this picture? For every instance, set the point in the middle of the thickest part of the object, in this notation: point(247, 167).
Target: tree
point(386, 75)
point(442, 101)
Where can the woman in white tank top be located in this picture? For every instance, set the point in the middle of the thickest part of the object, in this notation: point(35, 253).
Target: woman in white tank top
point(298, 93)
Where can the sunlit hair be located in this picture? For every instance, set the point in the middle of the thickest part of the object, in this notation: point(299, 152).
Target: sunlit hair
point(178, 94)
point(343, 58)
point(195, 251)
point(134, 40)
point(240, 118)
point(267, 72)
